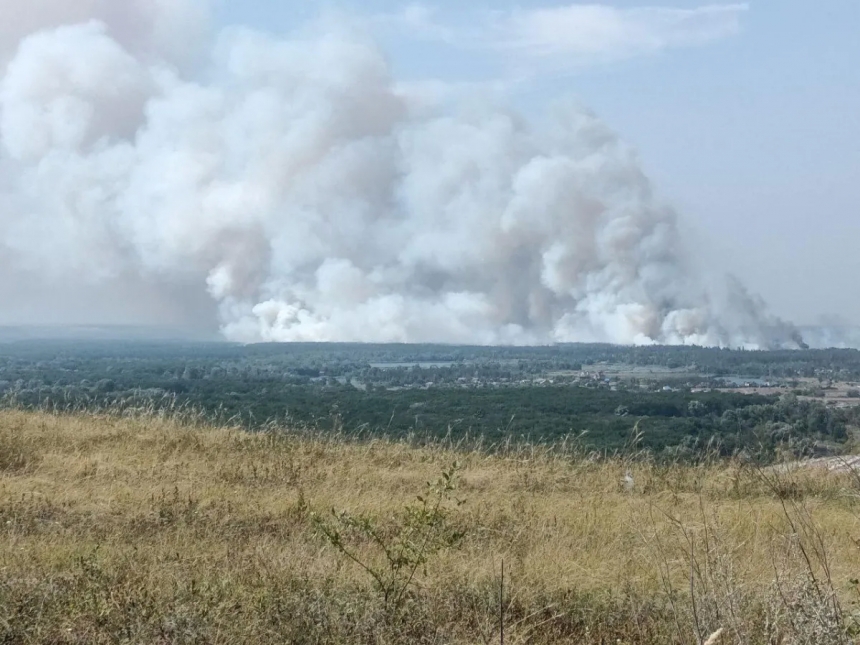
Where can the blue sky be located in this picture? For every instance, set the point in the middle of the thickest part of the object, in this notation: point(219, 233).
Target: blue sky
point(747, 117)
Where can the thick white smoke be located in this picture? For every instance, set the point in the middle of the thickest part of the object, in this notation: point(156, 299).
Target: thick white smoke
point(294, 181)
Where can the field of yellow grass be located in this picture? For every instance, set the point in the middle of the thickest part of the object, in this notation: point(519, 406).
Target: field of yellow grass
point(151, 530)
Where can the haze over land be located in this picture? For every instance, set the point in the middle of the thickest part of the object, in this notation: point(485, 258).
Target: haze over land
point(292, 188)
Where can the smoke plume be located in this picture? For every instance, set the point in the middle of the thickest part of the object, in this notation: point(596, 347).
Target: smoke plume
point(297, 183)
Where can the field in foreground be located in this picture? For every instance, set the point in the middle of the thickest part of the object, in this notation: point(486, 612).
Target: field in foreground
point(144, 530)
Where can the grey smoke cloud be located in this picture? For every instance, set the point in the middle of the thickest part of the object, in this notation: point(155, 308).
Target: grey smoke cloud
point(170, 31)
point(291, 180)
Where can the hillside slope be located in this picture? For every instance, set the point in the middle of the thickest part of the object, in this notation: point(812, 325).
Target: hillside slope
point(150, 530)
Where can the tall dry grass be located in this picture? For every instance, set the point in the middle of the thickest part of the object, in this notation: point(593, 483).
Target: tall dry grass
point(144, 529)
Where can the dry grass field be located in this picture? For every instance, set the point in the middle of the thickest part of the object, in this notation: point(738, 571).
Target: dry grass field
point(151, 530)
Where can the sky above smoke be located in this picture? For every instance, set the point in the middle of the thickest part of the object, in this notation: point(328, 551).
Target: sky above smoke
point(292, 188)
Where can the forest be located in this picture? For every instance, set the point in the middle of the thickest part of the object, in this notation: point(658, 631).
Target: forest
point(670, 401)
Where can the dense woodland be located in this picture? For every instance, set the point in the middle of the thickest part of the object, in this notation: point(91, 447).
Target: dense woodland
point(537, 394)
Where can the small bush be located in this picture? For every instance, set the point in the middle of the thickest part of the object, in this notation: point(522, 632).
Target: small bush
point(419, 532)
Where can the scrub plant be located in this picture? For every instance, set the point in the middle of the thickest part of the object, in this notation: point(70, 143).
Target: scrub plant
point(417, 533)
